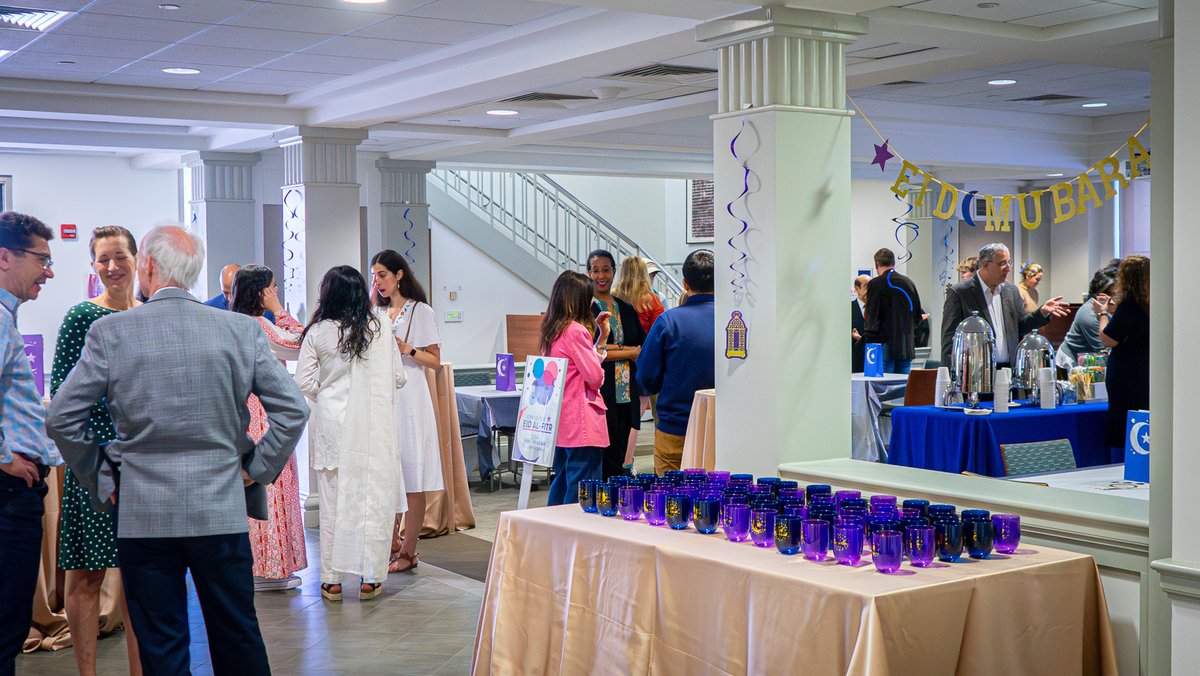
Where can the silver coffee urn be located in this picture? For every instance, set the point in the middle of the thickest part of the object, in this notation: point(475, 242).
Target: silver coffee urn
point(974, 362)
point(1034, 353)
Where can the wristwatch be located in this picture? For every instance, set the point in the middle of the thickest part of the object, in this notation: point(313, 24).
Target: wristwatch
point(412, 352)
point(1104, 314)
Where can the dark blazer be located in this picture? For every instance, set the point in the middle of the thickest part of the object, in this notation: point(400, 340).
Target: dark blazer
point(857, 347)
point(966, 297)
point(893, 309)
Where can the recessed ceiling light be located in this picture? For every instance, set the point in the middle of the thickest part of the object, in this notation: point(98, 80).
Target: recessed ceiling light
point(168, 7)
point(1001, 83)
point(503, 113)
point(1055, 175)
point(365, 2)
point(988, 5)
point(181, 71)
point(1096, 104)
point(5, 52)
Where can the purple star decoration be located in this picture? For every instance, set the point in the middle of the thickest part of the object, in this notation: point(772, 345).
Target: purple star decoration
point(882, 155)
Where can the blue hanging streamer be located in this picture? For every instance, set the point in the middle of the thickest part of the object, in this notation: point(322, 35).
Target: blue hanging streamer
point(902, 224)
point(739, 280)
point(411, 244)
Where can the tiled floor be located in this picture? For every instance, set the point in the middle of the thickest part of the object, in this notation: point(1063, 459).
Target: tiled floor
point(424, 623)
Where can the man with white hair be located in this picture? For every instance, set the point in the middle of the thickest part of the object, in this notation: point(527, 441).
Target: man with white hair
point(175, 375)
point(998, 302)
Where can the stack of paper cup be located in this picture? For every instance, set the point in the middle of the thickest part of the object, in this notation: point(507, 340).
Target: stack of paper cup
point(940, 384)
point(1003, 385)
point(1046, 386)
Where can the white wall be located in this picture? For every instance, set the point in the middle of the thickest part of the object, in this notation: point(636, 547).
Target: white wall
point(486, 293)
point(88, 191)
point(873, 205)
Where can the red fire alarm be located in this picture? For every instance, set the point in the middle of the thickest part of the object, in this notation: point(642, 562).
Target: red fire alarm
point(67, 231)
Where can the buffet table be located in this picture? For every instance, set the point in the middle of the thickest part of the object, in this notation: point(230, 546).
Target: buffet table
point(868, 433)
point(481, 410)
point(949, 440)
point(575, 593)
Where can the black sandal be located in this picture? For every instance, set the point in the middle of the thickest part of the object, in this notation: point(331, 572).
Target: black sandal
point(333, 591)
point(370, 590)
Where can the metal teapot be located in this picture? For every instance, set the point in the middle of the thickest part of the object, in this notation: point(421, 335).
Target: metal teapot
point(1034, 352)
point(974, 358)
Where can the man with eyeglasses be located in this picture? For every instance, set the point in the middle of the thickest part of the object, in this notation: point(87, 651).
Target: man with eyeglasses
point(26, 454)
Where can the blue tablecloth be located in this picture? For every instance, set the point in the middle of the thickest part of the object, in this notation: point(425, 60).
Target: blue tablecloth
point(952, 441)
point(481, 409)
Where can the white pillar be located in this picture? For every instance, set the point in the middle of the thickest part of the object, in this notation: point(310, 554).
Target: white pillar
point(404, 212)
point(782, 87)
point(321, 221)
point(222, 210)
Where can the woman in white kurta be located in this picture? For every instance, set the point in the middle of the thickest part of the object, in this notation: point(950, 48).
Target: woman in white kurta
point(350, 368)
point(415, 328)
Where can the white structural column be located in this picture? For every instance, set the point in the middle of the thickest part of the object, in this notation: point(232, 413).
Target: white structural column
point(404, 213)
point(321, 221)
point(782, 95)
point(222, 210)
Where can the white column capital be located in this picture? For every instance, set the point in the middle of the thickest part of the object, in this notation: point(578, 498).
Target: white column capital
point(320, 155)
point(781, 56)
point(403, 181)
point(222, 177)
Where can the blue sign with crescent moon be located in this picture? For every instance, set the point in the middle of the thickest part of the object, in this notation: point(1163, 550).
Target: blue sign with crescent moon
point(1137, 446)
point(873, 360)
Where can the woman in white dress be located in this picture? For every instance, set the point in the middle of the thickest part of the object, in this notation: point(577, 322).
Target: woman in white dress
point(415, 329)
point(350, 368)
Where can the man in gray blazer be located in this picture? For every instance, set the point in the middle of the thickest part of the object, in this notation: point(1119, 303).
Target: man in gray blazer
point(175, 375)
point(998, 301)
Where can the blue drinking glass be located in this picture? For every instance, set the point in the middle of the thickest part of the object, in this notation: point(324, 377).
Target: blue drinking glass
point(886, 551)
point(762, 526)
point(948, 536)
point(816, 539)
point(813, 490)
point(848, 544)
point(791, 493)
point(977, 538)
point(587, 494)
point(630, 502)
point(694, 472)
point(880, 502)
point(679, 510)
point(654, 505)
point(735, 521)
point(795, 510)
point(719, 475)
point(841, 496)
point(921, 545)
point(922, 505)
point(606, 499)
point(706, 514)
point(789, 533)
point(943, 510)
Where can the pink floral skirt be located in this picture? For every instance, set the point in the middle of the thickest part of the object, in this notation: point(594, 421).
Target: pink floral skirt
point(278, 542)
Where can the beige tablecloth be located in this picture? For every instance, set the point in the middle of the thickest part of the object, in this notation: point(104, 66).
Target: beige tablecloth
point(50, 630)
point(700, 441)
point(575, 593)
point(448, 510)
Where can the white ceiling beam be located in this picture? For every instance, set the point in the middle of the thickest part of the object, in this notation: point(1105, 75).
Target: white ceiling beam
point(1012, 31)
point(700, 10)
point(18, 137)
point(393, 130)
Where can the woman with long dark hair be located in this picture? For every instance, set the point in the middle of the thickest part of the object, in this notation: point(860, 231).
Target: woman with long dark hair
point(350, 368)
point(278, 542)
point(1125, 327)
point(567, 329)
point(623, 346)
point(397, 291)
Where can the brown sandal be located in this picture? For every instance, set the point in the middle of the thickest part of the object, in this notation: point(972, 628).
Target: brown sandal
point(396, 565)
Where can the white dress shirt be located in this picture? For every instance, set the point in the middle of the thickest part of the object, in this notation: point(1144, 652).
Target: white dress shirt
point(995, 303)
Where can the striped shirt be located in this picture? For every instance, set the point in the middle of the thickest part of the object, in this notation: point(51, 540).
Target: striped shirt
point(22, 416)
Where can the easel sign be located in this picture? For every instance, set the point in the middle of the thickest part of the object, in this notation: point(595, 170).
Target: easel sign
point(537, 417)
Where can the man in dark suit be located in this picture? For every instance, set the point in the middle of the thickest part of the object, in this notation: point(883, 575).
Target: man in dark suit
point(175, 376)
point(998, 302)
point(893, 308)
point(858, 323)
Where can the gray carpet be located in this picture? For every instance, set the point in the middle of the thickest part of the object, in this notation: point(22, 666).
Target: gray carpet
point(458, 553)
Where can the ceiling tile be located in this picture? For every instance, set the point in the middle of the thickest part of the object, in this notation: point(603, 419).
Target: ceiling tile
point(165, 81)
point(419, 29)
point(151, 68)
point(1009, 10)
point(199, 55)
point(80, 45)
point(371, 48)
point(121, 27)
point(281, 77)
point(49, 62)
point(319, 63)
point(205, 11)
point(259, 38)
point(391, 7)
point(250, 88)
point(306, 19)
point(60, 5)
point(1074, 14)
point(14, 40)
point(502, 12)
point(49, 74)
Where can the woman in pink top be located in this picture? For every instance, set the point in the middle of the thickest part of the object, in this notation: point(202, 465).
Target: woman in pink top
point(567, 330)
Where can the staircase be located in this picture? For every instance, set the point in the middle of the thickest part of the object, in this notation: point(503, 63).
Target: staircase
point(531, 225)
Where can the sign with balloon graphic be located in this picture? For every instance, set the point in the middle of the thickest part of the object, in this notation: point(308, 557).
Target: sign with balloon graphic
point(537, 417)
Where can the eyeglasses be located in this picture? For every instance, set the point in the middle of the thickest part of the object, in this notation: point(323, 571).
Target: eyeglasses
point(47, 261)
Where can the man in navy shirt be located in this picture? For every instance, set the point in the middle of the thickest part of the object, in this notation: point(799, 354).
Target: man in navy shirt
point(678, 358)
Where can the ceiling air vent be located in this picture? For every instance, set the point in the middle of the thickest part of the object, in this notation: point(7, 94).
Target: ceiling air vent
point(666, 73)
point(546, 96)
point(29, 19)
point(1049, 97)
point(902, 83)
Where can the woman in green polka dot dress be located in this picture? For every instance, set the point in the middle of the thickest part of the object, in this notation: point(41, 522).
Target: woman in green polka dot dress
point(86, 546)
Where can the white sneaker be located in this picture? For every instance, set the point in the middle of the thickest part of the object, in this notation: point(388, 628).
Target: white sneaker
point(268, 584)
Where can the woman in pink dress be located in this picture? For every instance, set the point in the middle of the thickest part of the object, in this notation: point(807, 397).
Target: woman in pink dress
point(278, 542)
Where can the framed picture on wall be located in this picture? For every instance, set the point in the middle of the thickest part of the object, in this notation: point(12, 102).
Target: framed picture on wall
point(5, 193)
point(700, 225)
